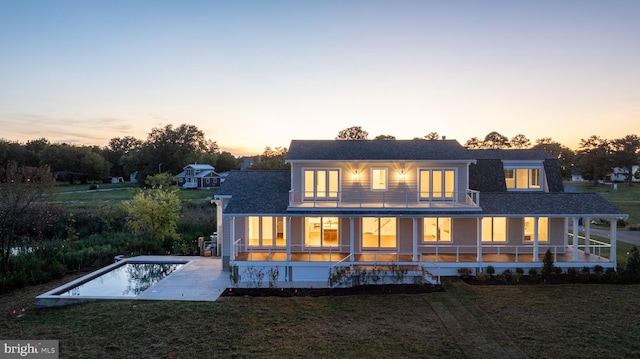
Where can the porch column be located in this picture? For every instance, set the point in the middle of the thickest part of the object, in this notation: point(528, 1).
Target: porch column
point(614, 238)
point(535, 239)
point(415, 239)
point(288, 231)
point(479, 241)
point(587, 235)
point(576, 230)
point(566, 231)
point(352, 238)
point(232, 235)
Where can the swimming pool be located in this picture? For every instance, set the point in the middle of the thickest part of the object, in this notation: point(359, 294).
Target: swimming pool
point(125, 279)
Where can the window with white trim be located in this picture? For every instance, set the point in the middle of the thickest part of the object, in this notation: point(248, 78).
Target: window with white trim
point(543, 229)
point(266, 231)
point(379, 177)
point(436, 230)
point(321, 184)
point(379, 232)
point(494, 229)
point(321, 231)
point(523, 178)
point(437, 184)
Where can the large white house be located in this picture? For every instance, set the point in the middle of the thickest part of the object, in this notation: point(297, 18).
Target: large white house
point(417, 208)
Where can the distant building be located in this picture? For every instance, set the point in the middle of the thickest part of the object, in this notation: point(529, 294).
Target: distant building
point(198, 176)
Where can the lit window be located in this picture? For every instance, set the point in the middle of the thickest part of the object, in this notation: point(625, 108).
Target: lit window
point(522, 178)
point(543, 229)
point(379, 179)
point(321, 232)
point(261, 231)
point(437, 183)
point(320, 184)
point(379, 232)
point(436, 229)
point(494, 229)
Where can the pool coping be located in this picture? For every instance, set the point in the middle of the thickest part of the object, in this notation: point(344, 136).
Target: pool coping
point(200, 279)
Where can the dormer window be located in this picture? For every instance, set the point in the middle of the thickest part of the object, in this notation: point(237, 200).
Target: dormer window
point(523, 178)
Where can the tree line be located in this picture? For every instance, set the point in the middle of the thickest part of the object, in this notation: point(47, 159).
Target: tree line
point(169, 149)
point(594, 159)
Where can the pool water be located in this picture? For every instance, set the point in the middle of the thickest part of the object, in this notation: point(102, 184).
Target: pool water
point(127, 280)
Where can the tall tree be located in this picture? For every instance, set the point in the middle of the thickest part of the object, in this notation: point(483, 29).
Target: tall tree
point(594, 158)
point(117, 148)
point(626, 154)
point(432, 136)
point(226, 162)
point(169, 149)
point(473, 143)
point(566, 156)
point(353, 133)
point(272, 159)
point(494, 140)
point(385, 138)
point(24, 193)
point(520, 141)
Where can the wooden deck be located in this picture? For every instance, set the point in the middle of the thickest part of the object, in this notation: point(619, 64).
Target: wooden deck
point(566, 257)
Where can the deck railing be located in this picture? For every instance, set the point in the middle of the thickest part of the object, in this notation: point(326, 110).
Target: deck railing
point(384, 199)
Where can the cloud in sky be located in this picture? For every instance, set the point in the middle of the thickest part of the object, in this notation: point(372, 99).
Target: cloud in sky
point(253, 74)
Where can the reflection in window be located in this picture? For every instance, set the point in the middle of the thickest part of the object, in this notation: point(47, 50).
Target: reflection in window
point(494, 229)
point(261, 231)
point(379, 232)
point(379, 179)
point(320, 184)
point(543, 229)
point(321, 231)
point(436, 229)
point(437, 183)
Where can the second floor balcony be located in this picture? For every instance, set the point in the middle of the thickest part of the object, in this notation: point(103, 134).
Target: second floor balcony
point(349, 200)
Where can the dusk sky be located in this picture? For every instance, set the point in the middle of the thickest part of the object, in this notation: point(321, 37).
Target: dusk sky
point(252, 74)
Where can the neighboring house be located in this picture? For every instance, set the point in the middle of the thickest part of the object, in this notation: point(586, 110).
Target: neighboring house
point(198, 176)
point(421, 209)
point(576, 176)
point(249, 161)
point(619, 174)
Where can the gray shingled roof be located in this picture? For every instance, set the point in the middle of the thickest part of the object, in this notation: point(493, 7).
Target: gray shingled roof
point(513, 154)
point(257, 192)
point(399, 150)
point(540, 203)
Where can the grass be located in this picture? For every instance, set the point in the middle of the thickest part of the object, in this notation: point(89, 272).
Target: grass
point(534, 321)
point(626, 198)
point(79, 196)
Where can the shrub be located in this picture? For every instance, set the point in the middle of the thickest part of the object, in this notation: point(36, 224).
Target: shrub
point(633, 265)
point(482, 276)
point(547, 264)
point(464, 272)
point(598, 269)
point(633, 227)
point(507, 275)
point(557, 270)
point(585, 270)
point(533, 272)
point(572, 272)
point(490, 270)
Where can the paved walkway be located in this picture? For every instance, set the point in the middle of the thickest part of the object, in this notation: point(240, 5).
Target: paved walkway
point(632, 237)
point(202, 279)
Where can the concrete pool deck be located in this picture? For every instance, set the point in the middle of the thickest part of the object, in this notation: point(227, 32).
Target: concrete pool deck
point(200, 279)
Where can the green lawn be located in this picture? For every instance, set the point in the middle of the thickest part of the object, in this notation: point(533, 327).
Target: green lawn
point(110, 194)
point(532, 321)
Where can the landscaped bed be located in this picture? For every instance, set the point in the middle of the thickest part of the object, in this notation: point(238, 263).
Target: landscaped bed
point(323, 292)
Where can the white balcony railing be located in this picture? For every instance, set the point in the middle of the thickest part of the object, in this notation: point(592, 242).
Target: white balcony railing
point(384, 199)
